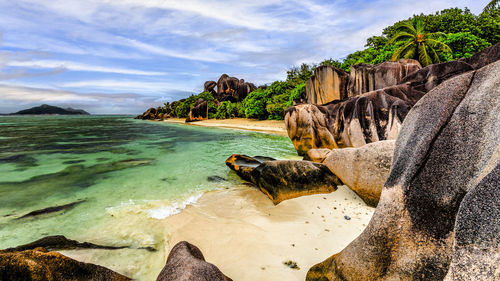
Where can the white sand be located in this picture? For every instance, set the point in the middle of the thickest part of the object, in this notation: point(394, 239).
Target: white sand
point(266, 126)
point(248, 238)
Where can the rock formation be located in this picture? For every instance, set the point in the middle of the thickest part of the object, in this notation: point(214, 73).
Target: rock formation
point(198, 112)
point(234, 87)
point(209, 86)
point(364, 169)
point(40, 264)
point(366, 77)
point(284, 179)
point(439, 210)
point(186, 262)
point(359, 120)
point(317, 155)
point(327, 84)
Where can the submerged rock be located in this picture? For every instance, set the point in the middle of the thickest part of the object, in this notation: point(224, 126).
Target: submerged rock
point(40, 265)
point(53, 209)
point(186, 262)
point(364, 169)
point(439, 210)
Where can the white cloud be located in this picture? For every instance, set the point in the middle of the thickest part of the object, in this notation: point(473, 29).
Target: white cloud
point(75, 66)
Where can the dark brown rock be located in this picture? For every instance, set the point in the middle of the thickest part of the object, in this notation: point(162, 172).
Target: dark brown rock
point(327, 84)
point(186, 262)
point(244, 164)
point(39, 264)
point(366, 77)
point(286, 179)
point(209, 86)
point(439, 206)
point(232, 86)
point(52, 209)
point(199, 111)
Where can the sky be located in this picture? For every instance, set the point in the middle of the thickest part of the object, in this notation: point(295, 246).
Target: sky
point(124, 56)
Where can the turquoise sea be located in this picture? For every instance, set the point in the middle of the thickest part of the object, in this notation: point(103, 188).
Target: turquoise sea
point(121, 171)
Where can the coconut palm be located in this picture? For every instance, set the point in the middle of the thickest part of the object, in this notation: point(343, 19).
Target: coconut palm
point(491, 5)
point(416, 44)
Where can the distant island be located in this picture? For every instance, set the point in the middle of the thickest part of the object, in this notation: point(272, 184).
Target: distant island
point(49, 109)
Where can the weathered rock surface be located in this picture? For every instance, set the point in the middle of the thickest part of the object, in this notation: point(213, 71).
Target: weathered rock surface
point(209, 86)
point(485, 57)
point(439, 210)
point(366, 77)
point(232, 86)
point(359, 120)
point(317, 155)
point(327, 84)
point(40, 264)
point(199, 111)
point(186, 262)
point(149, 114)
point(364, 169)
point(286, 179)
point(243, 165)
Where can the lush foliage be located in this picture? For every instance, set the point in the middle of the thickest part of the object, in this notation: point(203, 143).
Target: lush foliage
point(227, 109)
point(465, 44)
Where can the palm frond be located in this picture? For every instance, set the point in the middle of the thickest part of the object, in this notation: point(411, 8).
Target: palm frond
point(423, 56)
point(436, 44)
point(410, 52)
point(400, 36)
point(434, 54)
point(490, 5)
point(400, 50)
point(436, 35)
point(406, 26)
point(419, 26)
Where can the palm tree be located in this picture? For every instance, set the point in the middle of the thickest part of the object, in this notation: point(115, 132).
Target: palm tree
point(490, 5)
point(415, 43)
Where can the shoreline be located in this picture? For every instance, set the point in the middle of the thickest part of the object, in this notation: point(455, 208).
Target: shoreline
point(275, 127)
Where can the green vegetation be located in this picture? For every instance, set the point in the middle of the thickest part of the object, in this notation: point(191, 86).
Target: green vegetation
point(446, 35)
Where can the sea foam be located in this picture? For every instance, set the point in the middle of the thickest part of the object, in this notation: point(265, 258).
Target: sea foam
point(175, 208)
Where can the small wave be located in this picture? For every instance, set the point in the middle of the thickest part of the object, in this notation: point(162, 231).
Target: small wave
point(167, 211)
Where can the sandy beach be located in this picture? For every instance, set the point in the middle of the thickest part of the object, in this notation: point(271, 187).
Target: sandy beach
point(248, 238)
point(265, 126)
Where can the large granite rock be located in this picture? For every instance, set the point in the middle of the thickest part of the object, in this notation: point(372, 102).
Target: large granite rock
point(485, 57)
point(327, 84)
point(234, 87)
point(186, 262)
point(366, 77)
point(359, 120)
point(199, 111)
point(439, 210)
point(317, 155)
point(209, 86)
point(285, 179)
point(40, 265)
point(149, 114)
point(364, 169)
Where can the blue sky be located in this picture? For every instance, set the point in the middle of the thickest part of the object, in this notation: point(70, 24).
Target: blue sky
point(123, 56)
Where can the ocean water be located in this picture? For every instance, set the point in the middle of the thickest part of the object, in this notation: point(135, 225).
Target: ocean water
point(126, 174)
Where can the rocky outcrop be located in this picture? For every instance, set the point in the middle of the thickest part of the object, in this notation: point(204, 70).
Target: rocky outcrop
point(150, 114)
point(439, 210)
point(327, 84)
point(284, 179)
point(234, 87)
point(40, 264)
point(186, 262)
point(243, 165)
point(209, 86)
point(359, 120)
point(317, 155)
point(366, 77)
point(485, 57)
point(364, 169)
point(198, 112)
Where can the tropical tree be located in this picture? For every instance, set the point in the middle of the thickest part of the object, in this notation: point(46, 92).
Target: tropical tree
point(491, 5)
point(415, 43)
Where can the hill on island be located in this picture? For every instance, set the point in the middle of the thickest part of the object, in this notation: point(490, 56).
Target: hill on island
point(49, 109)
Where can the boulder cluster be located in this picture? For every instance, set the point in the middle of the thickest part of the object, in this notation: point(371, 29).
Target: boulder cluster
point(227, 88)
point(374, 103)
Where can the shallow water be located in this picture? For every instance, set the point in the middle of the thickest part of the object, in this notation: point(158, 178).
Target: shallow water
point(127, 173)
